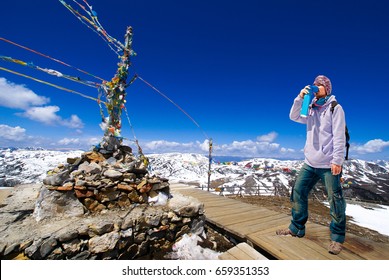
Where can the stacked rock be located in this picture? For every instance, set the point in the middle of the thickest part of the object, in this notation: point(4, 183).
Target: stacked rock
point(101, 179)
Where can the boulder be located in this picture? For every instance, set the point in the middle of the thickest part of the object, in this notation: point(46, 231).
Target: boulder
point(52, 204)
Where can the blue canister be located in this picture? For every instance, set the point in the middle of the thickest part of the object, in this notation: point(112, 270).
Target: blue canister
point(307, 101)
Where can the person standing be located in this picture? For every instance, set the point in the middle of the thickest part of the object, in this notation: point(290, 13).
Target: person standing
point(324, 155)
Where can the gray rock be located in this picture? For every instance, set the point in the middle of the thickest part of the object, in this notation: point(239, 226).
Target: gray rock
point(11, 248)
point(56, 254)
point(33, 251)
point(186, 206)
point(84, 255)
point(101, 227)
point(90, 168)
point(73, 247)
point(2, 248)
point(139, 238)
point(185, 229)
point(197, 226)
point(57, 179)
point(132, 216)
point(153, 220)
point(113, 174)
point(111, 161)
point(104, 243)
point(48, 246)
point(67, 235)
point(52, 204)
point(126, 233)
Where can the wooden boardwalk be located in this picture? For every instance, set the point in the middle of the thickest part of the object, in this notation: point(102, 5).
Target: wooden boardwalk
point(256, 225)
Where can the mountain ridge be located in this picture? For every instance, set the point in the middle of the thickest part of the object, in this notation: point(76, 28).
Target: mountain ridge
point(363, 180)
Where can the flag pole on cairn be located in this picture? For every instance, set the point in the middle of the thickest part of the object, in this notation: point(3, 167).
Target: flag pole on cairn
point(115, 91)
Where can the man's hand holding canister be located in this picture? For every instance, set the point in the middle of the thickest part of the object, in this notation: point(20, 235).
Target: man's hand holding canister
point(304, 91)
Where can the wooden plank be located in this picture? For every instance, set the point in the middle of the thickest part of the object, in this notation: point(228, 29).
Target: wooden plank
point(219, 210)
point(254, 225)
point(235, 226)
point(250, 251)
point(366, 248)
point(222, 211)
point(227, 256)
point(235, 222)
point(244, 229)
point(242, 251)
point(239, 254)
point(272, 228)
point(207, 198)
point(281, 250)
point(238, 217)
point(224, 204)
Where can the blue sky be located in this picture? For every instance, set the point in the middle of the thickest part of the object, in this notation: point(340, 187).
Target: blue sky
point(233, 66)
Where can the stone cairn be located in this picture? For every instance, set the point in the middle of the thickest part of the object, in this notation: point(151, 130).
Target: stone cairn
point(108, 177)
point(101, 205)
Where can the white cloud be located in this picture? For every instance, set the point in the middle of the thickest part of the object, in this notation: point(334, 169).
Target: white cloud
point(73, 122)
point(48, 115)
point(12, 133)
point(69, 141)
point(270, 137)
point(287, 150)
point(248, 148)
point(204, 146)
point(167, 146)
point(18, 96)
point(372, 146)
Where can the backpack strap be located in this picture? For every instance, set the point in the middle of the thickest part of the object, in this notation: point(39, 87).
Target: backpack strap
point(333, 105)
point(347, 143)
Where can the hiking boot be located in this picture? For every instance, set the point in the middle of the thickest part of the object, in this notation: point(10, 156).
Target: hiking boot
point(287, 232)
point(335, 248)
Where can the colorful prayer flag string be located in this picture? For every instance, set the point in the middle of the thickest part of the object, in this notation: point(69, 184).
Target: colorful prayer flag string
point(50, 71)
point(50, 84)
point(51, 58)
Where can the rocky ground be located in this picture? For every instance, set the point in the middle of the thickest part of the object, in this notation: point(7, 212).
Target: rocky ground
point(318, 213)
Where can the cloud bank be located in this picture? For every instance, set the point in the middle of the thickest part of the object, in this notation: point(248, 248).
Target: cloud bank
point(19, 97)
point(372, 146)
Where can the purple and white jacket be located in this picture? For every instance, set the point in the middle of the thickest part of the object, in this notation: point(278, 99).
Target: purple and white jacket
point(326, 140)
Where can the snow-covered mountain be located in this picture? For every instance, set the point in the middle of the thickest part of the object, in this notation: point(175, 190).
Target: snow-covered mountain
point(363, 180)
point(29, 165)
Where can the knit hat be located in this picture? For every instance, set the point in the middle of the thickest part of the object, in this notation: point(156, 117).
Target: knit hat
point(322, 80)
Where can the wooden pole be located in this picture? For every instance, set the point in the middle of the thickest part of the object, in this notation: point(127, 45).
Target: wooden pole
point(116, 96)
point(210, 162)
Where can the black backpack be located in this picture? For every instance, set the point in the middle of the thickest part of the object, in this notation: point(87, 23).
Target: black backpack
point(333, 104)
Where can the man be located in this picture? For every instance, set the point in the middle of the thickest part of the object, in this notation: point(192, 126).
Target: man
point(324, 154)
